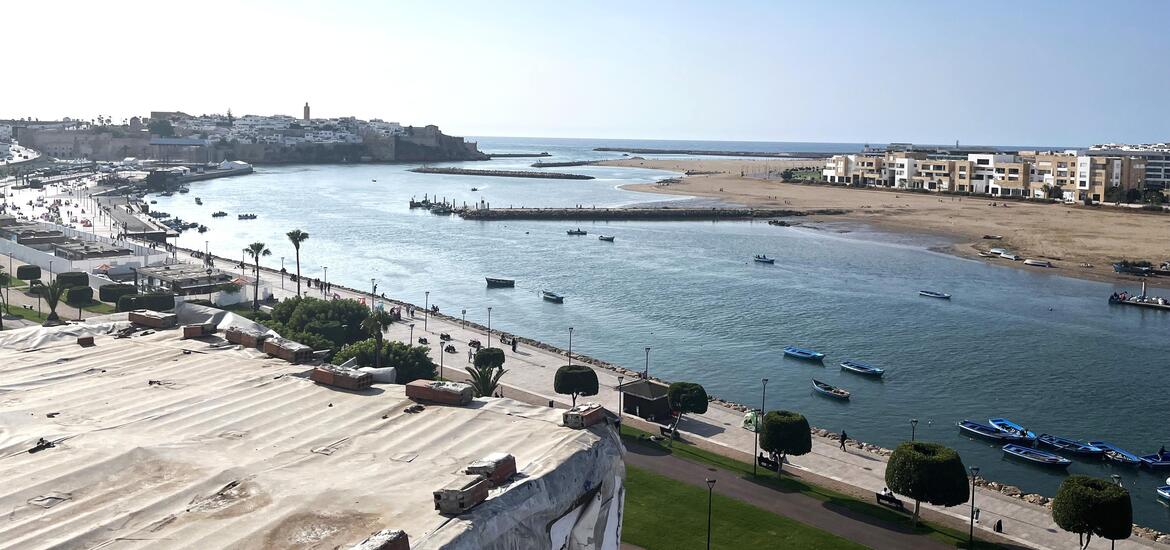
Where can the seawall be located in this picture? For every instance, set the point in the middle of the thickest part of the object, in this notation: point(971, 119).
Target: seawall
point(640, 214)
point(502, 173)
point(699, 152)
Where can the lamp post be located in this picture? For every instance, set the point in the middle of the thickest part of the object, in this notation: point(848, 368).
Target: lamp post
point(646, 373)
point(373, 292)
point(441, 354)
point(619, 389)
point(209, 286)
point(326, 282)
point(570, 346)
point(710, 490)
point(426, 308)
point(282, 271)
point(411, 342)
point(489, 334)
point(913, 428)
point(465, 319)
point(759, 421)
point(971, 535)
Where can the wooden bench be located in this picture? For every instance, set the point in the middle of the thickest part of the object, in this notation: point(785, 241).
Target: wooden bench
point(891, 501)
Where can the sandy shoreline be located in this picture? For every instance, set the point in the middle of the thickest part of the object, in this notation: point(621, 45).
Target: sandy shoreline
point(1068, 236)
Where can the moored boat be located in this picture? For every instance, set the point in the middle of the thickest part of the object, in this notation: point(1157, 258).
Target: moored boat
point(577, 231)
point(1163, 492)
point(608, 239)
point(1036, 456)
point(1009, 256)
point(1038, 263)
point(802, 353)
point(861, 368)
point(993, 237)
point(552, 297)
point(198, 200)
point(829, 390)
point(219, 214)
point(997, 251)
point(1116, 454)
point(1070, 446)
point(972, 428)
point(1156, 461)
point(933, 294)
point(1007, 426)
point(763, 259)
point(493, 282)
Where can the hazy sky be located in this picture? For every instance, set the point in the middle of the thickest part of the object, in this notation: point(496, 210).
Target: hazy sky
point(1019, 73)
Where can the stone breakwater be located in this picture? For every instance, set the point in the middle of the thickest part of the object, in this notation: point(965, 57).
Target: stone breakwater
point(542, 164)
point(639, 214)
point(502, 173)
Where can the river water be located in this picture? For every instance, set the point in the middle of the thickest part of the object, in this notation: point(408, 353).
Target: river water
point(1045, 350)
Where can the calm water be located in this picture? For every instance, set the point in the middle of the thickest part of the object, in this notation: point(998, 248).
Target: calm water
point(1044, 350)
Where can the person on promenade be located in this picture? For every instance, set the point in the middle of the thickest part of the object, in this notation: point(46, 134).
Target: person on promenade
point(844, 436)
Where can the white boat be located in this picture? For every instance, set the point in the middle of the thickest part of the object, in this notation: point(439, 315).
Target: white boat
point(1038, 263)
point(998, 251)
point(933, 294)
point(1009, 256)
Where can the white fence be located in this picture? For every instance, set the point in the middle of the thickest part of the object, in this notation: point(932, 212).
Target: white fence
point(143, 255)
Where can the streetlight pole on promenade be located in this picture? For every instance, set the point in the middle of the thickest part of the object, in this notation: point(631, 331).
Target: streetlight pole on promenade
point(426, 308)
point(570, 346)
point(710, 490)
point(646, 373)
point(971, 535)
point(759, 422)
point(913, 428)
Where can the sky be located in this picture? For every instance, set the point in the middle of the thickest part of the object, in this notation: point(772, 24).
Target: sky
point(993, 72)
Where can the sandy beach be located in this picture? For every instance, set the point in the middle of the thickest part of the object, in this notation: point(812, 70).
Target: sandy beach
point(1068, 236)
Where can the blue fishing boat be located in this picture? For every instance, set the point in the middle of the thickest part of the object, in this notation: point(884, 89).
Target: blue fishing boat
point(801, 353)
point(1010, 427)
point(1036, 456)
point(829, 390)
point(1117, 455)
point(1156, 461)
point(1070, 446)
point(970, 428)
point(1164, 492)
point(933, 294)
point(864, 369)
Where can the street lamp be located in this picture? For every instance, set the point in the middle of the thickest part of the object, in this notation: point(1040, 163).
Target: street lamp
point(570, 346)
point(971, 535)
point(489, 334)
point(282, 272)
point(619, 389)
point(209, 285)
point(465, 319)
point(441, 354)
point(913, 428)
point(411, 342)
point(373, 292)
point(759, 421)
point(326, 282)
point(710, 490)
point(646, 373)
point(426, 308)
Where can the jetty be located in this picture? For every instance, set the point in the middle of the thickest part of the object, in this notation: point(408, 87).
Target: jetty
point(517, 155)
point(501, 173)
point(698, 152)
point(637, 214)
point(540, 164)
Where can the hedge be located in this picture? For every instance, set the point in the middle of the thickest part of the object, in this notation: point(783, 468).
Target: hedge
point(156, 302)
point(71, 279)
point(111, 293)
point(28, 272)
point(126, 302)
point(78, 295)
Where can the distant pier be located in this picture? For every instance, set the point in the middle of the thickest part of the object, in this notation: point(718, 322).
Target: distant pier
point(518, 155)
point(539, 164)
point(502, 173)
point(794, 154)
point(638, 214)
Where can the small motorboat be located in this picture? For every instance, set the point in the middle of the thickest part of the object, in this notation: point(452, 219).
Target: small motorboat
point(933, 294)
point(1156, 461)
point(1007, 426)
point(1036, 456)
point(998, 251)
point(552, 297)
point(975, 429)
point(829, 390)
point(1010, 256)
point(1117, 455)
point(1163, 492)
point(988, 255)
point(245, 216)
point(577, 231)
point(475, 189)
point(184, 190)
point(198, 200)
point(802, 353)
point(864, 369)
point(763, 259)
point(608, 239)
point(500, 283)
point(219, 214)
point(1038, 263)
point(1070, 446)
point(993, 237)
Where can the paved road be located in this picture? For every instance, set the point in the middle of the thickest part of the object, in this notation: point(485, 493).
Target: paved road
point(810, 511)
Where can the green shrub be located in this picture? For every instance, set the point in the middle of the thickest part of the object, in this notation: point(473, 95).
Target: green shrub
point(28, 272)
point(575, 380)
point(489, 357)
point(409, 362)
point(127, 302)
point(71, 279)
point(156, 302)
point(337, 322)
point(930, 472)
point(111, 293)
point(785, 433)
point(1091, 506)
point(78, 295)
point(200, 302)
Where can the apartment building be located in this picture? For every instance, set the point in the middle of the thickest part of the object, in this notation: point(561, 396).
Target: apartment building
point(1069, 175)
point(1154, 156)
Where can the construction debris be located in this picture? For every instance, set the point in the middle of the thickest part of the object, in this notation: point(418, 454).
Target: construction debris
point(153, 319)
point(286, 349)
point(386, 539)
point(245, 337)
point(196, 331)
point(341, 377)
point(583, 416)
point(461, 494)
point(448, 393)
point(497, 468)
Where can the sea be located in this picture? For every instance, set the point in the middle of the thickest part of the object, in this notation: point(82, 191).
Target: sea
point(1044, 350)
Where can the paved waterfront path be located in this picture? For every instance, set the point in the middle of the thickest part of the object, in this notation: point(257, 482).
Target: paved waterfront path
point(805, 509)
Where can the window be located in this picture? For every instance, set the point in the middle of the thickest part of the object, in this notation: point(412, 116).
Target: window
point(982, 162)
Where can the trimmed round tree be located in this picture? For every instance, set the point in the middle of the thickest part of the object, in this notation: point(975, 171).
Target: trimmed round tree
point(1090, 506)
point(930, 472)
point(785, 433)
point(685, 397)
point(575, 380)
point(28, 272)
point(78, 297)
point(70, 279)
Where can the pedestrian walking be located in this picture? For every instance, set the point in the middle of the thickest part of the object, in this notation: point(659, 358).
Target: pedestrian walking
point(844, 436)
point(513, 345)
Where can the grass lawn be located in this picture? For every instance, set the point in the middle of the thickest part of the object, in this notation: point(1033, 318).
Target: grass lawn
point(951, 537)
point(665, 514)
point(30, 315)
point(101, 308)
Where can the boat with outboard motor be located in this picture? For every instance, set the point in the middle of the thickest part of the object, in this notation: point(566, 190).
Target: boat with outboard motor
point(1036, 456)
point(1005, 425)
point(829, 390)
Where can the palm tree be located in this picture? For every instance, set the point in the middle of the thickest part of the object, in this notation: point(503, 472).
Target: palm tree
point(484, 378)
point(52, 294)
point(375, 324)
point(296, 236)
point(256, 250)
